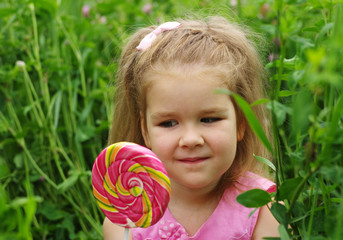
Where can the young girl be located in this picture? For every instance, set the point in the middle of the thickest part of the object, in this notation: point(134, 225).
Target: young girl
point(166, 101)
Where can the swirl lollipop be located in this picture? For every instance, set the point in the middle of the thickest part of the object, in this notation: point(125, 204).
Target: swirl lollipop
point(130, 185)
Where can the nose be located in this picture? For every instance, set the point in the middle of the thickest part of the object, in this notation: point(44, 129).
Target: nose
point(191, 137)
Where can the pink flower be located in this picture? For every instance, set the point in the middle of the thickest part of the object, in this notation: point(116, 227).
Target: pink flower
point(264, 9)
point(277, 41)
point(233, 3)
point(103, 20)
point(272, 57)
point(147, 8)
point(86, 10)
point(271, 189)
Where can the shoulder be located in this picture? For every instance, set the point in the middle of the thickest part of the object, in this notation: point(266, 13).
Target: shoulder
point(112, 231)
point(266, 225)
point(251, 180)
point(261, 223)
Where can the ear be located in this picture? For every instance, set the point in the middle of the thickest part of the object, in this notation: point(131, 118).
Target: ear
point(241, 126)
point(144, 131)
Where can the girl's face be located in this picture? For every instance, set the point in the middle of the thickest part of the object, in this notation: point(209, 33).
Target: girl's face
point(189, 127)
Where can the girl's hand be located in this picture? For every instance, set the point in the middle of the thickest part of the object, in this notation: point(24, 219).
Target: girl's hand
point(113, 232)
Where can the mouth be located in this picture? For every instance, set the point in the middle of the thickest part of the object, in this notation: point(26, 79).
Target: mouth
point(193, 160)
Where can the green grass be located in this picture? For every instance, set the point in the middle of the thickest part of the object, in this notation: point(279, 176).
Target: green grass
point(55, 108)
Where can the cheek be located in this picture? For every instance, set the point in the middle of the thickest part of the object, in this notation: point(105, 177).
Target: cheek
point(160, 145)
point(226, 144)
point(160, 148)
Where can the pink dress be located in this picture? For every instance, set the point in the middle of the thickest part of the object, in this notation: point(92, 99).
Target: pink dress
point(230, 220)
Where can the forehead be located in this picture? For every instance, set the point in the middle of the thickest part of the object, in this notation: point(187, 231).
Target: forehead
point(160, 76)
point(214, 75)
point(192, 88)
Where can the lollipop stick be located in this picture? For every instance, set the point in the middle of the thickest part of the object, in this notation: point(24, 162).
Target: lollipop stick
point(126, 234)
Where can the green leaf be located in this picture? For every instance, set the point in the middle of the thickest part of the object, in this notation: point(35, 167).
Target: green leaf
point(279, 211)
point(3, 124)
point(280, 111)
point(283, 233)
point(260, 101)
point(68, 224)
point(337, 28)
point(287, 63)
point(51, 211)
point(265, 161)
point(18, 160)
point(287, 93)
point(288, 188)
point(252, 212)
point(251, 118)
point(86, 111)
point(334, 125)
point(324, 31)
point(269, 28)
point(48, 5)
point(4, 12)
point(84, 133)
point(57, 111)
point(302, 107)
point(4, 169)
point(22, 201)
point(254, 198)
point(3, 200)
point(303, 42)
point(68, 183)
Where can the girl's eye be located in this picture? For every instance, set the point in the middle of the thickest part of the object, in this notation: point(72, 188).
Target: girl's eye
point(168, 124)
point(210, 120)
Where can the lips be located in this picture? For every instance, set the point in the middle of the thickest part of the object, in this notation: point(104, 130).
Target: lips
point(193, 160)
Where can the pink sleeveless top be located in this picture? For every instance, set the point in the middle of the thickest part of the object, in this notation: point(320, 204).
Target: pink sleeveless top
point(230, 220)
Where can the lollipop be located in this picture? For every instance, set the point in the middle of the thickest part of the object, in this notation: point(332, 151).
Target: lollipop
point(130, 185)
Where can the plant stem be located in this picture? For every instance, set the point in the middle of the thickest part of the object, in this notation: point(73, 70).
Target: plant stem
point(21, 142)
point(38, 65)
point(299, 189)
point(34, 100)
point(314, 202)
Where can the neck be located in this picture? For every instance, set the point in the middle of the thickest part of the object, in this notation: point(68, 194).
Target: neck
point(192, 198)
point(192, 207)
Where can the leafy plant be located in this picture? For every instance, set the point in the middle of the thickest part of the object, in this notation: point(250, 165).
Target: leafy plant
point(57, 59)
point(307, 121)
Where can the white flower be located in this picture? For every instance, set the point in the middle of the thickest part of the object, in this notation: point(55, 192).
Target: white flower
point(20, 64)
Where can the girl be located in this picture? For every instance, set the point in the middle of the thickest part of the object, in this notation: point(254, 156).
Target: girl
point(166, 101)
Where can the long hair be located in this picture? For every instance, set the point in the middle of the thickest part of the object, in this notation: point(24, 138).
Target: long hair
point(215, 43)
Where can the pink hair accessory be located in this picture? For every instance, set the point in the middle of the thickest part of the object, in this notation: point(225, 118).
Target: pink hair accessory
point(148, 39)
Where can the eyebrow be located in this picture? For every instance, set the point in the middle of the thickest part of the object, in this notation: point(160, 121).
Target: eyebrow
point(219, 110)
point(215, 111)
point(159, 115)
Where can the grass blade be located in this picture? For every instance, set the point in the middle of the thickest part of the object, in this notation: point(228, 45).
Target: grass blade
point(251, 118)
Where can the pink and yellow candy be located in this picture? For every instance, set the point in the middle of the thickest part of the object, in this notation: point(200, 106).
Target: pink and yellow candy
point(130, 185)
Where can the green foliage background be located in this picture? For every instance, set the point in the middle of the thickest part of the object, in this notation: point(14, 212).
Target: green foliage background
point(56, 63)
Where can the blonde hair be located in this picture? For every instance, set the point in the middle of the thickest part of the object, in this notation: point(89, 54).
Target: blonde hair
point(214, 42)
